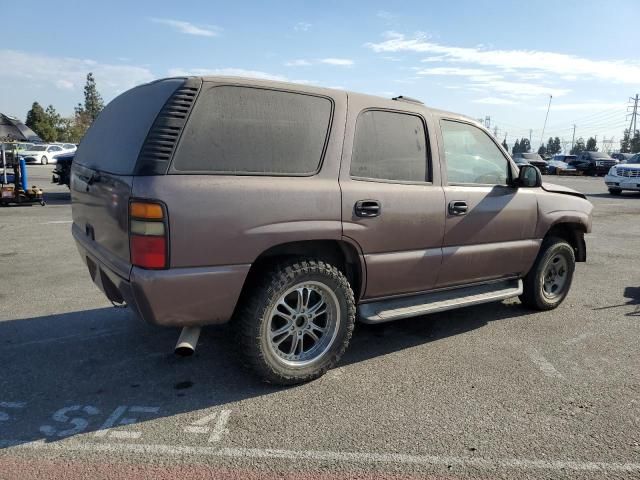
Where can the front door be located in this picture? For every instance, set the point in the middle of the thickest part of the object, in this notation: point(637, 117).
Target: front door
point(391, 205)
point(490, 224)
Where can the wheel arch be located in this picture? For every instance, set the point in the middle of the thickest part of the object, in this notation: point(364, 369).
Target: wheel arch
point(573, 234)
point(340, 253)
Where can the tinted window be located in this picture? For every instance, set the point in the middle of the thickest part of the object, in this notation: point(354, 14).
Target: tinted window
point(115, 138)
point(471, 156)
point(241, 130)
point(389, 146)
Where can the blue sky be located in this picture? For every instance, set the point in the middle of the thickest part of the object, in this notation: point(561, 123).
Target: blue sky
point(502, 59)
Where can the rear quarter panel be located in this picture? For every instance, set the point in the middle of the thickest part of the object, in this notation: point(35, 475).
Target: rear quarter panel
point(231, 219)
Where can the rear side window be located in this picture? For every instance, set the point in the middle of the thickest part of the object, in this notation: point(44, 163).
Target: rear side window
point(389, 146)
point(244, 130)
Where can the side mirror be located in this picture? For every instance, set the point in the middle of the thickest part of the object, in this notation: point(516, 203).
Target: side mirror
point(529, 177)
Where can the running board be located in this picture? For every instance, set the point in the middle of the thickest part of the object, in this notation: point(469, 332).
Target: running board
point(413, 306)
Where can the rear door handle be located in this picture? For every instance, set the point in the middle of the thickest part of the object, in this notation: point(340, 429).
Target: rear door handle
point(367, 208)
point(458, 207)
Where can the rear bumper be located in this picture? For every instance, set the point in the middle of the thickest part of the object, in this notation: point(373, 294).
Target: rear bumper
point(177, 297)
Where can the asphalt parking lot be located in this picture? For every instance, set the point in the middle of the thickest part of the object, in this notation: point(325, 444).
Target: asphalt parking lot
point(492, 391)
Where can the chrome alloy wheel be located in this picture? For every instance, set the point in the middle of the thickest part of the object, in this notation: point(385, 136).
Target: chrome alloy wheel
point(554, 276)
point(303, 324)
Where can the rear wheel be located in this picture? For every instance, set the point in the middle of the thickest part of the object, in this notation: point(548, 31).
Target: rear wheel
point(615, 191)
point(297, 323)
point(44, 160)
point(549, 281)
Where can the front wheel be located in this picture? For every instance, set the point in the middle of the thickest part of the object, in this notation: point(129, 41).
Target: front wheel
point(549, 280)
point(615, 191)
point(297, 323)
point(44, 160)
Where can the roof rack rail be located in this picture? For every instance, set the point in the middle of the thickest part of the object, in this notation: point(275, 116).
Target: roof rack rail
point(402, 98)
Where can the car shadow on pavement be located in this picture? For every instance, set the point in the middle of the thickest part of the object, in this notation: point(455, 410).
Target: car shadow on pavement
point(68, 374)
point(57, 198)
point(370, 341)
point(632, 294)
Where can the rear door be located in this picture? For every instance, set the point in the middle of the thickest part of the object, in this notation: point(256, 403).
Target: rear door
point(103, 169)
point(392, 200)
point(490, 225)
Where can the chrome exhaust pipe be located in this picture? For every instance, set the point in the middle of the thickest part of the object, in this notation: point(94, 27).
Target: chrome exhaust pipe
point(187, 342)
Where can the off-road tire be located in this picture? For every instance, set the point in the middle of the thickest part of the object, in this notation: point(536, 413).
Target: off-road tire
point(252, 317)
point(533, 294)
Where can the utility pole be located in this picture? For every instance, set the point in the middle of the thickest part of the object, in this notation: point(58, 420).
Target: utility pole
point(530, 132)
point(495, 131)
point(634, 116)
point(487, 122)
point(573, 139)
point(545, 121)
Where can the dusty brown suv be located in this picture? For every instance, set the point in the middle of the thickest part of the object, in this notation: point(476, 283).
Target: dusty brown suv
point(291, 210)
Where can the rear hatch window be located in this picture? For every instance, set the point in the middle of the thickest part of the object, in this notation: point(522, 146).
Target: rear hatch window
point(113, 142)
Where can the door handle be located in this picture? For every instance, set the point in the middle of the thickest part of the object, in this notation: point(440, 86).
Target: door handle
point(458, 207)
point(367, 208)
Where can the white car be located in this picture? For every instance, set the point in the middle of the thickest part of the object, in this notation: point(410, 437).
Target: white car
point(624, 176)
point(42, 154)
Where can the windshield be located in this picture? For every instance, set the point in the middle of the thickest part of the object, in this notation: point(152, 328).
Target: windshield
point(531, 156)
point(634, 159)
point(38, 148)
point(599, 155)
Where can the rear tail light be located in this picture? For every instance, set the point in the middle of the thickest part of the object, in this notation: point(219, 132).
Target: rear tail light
point(148, 235)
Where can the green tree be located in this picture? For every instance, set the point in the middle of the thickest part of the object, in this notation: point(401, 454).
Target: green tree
point(86, 113)
point(591, 145)
point(557, 146)
point(504, 144)
point(42, 122)
point(625, 143)
point(550, 147)
point(525, 145)
point(579, 147)
point(36, 118)
point(93, 103)
point(516, 147)
point(542, 150)
point(634, 143)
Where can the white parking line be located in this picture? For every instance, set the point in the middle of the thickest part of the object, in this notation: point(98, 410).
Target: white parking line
point(578, 339)
point(54, 222)
point(543, 364)
point(330, 456)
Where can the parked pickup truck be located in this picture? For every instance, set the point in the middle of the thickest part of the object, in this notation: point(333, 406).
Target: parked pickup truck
point(593, 163)
point(290, 210)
